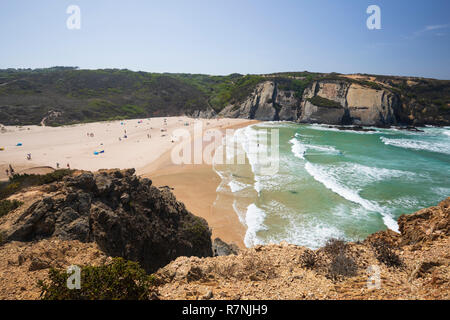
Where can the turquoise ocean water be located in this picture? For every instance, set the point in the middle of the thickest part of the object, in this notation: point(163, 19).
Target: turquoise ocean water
point(333, 183)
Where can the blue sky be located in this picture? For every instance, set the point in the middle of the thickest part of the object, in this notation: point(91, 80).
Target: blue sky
point(222, 37)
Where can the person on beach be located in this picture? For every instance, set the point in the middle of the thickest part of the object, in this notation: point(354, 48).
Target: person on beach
point(11, 170)
point(57, 165)
point(7, 172)
point(68, 166)
point(29, 156)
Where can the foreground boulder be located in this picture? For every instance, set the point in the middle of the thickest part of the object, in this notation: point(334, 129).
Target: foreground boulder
point(125, 215)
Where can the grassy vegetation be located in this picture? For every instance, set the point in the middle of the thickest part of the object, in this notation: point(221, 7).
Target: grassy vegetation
point(21, 181)
point(6, 206)
point(120, 280)
point(325, 103)
point(27, 96)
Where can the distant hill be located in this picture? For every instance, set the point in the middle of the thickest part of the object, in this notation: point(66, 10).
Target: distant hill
point(67, 95)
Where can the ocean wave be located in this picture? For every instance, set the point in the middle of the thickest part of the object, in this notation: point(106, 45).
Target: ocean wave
point(322, 176)
point(298, 149)
point(254, 219)
point(433, 146)
point(254, 143)
point(362, 175)
point(323, 127)
point(324, 149)
point(312, 234)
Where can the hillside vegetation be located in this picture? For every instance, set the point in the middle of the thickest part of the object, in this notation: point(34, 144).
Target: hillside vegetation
point(67, 95)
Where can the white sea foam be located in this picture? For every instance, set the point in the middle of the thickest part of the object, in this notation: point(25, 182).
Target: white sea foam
point(254, 143)
point(361, 175)
point(312, 234)
point(240, 213)
point(433, 146)
point(298, 149)
point(236, 186)
point(323, 127)
point(319, 174)
point(254, 219)
point(324, 149)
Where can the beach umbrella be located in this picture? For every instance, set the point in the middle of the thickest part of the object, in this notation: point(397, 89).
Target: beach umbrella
point(96, 153)
point(2, 149)
point(19, 144)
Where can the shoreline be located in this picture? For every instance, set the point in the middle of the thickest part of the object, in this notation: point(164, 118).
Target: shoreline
point(193, 182)
point(147, 148)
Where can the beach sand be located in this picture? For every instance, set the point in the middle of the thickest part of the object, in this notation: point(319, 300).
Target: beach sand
point(145, 148)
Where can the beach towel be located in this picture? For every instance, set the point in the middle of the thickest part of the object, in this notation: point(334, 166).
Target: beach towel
point(19, 144)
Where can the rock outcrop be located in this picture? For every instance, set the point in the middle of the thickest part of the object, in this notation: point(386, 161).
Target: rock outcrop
point(125, 215)
point(280, 271)
point(359, 105)
point(221, 248)
point(266, 103)
point(426, 225)
point(114, 213)
point(259, 105)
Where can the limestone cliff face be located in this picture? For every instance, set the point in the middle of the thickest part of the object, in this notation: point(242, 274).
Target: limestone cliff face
point(265, 103)
point(358, 105)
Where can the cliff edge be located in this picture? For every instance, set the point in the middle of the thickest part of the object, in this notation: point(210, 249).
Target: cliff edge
point(88, 218)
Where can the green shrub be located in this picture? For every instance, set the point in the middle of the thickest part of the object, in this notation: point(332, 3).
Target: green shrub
point(324, 102)
point(6, 206)
point(20, 181)
point(120, 280)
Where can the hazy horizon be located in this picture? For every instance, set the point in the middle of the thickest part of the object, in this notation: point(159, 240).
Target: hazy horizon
point(223, 75)
point(246, 37)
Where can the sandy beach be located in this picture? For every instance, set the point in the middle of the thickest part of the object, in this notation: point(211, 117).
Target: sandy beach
point(144, 144)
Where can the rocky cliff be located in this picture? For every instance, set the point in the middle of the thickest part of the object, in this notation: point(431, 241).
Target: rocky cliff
point(266, 102)
point(124, 215)
point(353, 104)
point(414, 264)
point(66, 95)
